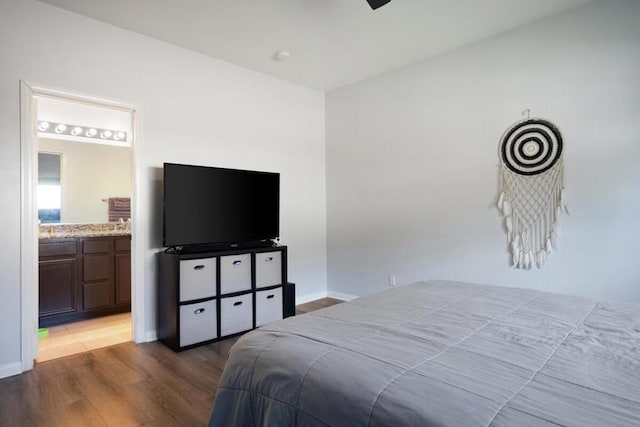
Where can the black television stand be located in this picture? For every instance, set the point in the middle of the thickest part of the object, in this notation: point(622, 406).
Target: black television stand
point(207, 296)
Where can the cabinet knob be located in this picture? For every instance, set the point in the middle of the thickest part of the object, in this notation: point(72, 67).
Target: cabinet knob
point(237, 262)
point(198, 311)
point(270, 296)
point(198, 267)
point(237, 303)
point(269, 258)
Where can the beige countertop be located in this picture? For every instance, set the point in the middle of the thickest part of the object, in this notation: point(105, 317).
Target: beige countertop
point(63, 231)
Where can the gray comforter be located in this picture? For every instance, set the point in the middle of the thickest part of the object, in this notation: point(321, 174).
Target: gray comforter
point(440, 354)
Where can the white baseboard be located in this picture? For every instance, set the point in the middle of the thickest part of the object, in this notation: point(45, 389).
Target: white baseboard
point(151, 336)
point(319, 295)
point(10, 369)
point(310, 297)
point(341, 296)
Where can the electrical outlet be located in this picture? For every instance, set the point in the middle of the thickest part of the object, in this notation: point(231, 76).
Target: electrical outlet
point(392, 279)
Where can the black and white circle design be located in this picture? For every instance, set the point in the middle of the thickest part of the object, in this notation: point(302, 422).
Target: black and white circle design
point(531, 147)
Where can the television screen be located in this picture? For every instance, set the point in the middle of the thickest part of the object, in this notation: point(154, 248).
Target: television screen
point(208, 205)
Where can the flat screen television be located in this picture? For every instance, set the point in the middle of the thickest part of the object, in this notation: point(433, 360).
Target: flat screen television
point(217, 206)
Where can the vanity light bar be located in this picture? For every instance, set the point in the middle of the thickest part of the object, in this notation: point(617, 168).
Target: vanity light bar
point(83, 131)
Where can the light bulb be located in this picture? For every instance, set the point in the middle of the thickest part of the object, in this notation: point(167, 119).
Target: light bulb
point(106, 134)
point(120, 135)
point(43, 126)
point(76, 131)
point(91, 132)
point(61, 128)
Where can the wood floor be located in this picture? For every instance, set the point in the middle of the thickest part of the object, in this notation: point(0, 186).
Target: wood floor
point(122, 385)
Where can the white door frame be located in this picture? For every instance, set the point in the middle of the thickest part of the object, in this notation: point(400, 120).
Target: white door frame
point(29, 216)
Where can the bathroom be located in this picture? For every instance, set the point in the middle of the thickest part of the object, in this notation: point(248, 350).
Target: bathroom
point(83, 188)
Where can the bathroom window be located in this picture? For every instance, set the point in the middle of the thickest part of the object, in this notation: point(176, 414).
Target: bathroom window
point(49, 187)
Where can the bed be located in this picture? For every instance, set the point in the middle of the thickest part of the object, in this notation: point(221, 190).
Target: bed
point(439, 353)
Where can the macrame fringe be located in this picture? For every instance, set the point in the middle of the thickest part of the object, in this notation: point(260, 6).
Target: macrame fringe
point(531, 206)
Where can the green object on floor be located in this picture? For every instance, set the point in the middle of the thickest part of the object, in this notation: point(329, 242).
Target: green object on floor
point(43, 333)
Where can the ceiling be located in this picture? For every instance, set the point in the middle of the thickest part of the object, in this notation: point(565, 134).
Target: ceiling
point(332, 42)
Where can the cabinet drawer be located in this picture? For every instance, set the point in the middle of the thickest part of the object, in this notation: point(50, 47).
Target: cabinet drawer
point(235, 273)
point(123, 244)
point(268, 306)
point(197, 278)
point(198, 322)
point(268, 268)
point(58, 248)
point(96, 246)
point(236, 314)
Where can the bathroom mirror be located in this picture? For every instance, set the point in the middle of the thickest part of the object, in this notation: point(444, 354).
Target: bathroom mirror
point(76, 180)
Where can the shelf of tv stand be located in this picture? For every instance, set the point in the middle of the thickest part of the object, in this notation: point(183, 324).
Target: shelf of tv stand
point(208, 296)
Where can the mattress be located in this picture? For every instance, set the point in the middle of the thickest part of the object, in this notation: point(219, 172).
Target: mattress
point(439, 353)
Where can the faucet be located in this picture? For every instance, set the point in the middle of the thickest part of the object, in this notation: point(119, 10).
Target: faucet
point(117, 226)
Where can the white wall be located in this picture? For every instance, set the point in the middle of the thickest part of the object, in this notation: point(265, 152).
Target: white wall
point(90, 173)
point(412, 165)
point(195, 110)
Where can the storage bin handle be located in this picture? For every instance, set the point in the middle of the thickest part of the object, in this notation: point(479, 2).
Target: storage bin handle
point(270, 296)
point(237, 262)
point(198, 267)
point(198, 311)
point(237, 303)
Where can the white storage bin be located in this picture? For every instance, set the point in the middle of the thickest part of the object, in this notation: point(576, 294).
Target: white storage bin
point(235, 273)
point(236, 314)
point(198, 322)
point(268, 268)
point(268, 306)
point(197, 278)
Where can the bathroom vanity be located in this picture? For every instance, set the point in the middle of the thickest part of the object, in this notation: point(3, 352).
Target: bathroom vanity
point(83, 274)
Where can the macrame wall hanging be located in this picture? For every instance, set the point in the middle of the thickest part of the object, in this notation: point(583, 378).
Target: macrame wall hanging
point(531, 189)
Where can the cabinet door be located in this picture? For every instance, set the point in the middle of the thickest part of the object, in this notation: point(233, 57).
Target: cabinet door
point(57, 286)
point(123, 278)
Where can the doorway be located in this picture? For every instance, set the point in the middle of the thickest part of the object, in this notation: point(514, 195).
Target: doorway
point(84, 214)
point(89, 289)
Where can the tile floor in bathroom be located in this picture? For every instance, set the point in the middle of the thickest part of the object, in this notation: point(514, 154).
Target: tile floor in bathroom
point(85, 335)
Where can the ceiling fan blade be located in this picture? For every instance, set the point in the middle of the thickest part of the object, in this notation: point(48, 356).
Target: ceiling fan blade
point(377, 3)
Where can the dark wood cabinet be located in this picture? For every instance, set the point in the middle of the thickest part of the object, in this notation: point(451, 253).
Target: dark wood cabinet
point(58, 289)
point(81, 278)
